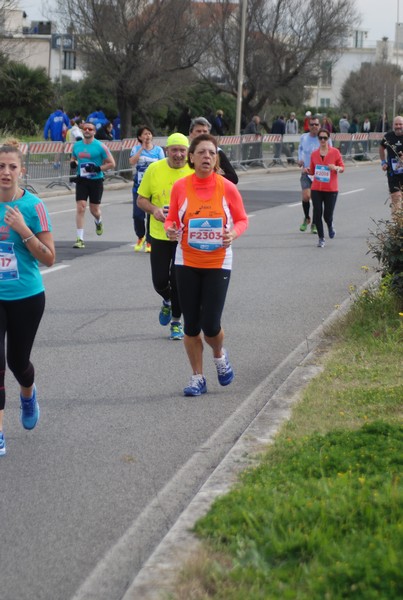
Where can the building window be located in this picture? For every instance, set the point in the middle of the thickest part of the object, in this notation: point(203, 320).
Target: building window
point(326, 73)
point(325, 102)
point(69, 61)
point(358, 38)
point(2, 20)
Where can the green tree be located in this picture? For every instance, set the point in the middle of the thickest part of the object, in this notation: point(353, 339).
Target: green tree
point(24, 97)
point(87, 94)
point(366, 90)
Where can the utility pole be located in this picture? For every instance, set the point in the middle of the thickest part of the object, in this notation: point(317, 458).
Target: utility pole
point(243, 6)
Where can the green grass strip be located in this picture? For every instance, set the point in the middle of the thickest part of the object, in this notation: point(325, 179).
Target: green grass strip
point(322, 521)
point(320, 518)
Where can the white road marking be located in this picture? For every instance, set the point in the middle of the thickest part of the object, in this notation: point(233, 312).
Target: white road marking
point(53, 269)
point(352, 192)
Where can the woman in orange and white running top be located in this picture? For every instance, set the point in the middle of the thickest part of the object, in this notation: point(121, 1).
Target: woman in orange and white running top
point(206, 214)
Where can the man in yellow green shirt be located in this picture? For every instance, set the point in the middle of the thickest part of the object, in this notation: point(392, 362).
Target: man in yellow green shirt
point(154, 197)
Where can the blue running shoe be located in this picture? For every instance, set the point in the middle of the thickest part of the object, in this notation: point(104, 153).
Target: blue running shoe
point(2, 444)
point(225, 372)
point(29, 411)
point(332, 233)
point(197, 386)
point(165, 313)
point(176, 331)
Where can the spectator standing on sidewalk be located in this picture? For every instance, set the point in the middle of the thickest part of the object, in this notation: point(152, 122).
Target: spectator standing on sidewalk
point(307, 119)
point(91, 158)
point(253, 126)
point(97, 118)
point(218, 122)
point(278, 127)
point(344, 124)
point(56, 126)
point(75, 133)
point(291, 128)
point(383, 124)
point(327, 124)
point(105, 132)
point(26, 240)
point(366, 127)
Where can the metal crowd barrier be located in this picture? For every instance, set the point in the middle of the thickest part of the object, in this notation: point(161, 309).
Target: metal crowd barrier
point(358, 146)
point(50, 161)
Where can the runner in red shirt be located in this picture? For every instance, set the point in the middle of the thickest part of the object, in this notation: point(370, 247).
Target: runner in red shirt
point(326, 164)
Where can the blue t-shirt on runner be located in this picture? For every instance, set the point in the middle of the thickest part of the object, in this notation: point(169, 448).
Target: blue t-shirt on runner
point(308, 143)
point(90, 154)
point(146, 158)
point(20, 276)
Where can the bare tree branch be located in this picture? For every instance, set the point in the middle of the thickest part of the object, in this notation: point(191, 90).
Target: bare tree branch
point(285, 42)
point(139, 45)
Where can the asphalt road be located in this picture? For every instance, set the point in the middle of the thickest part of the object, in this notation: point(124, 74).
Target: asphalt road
point(119, 452)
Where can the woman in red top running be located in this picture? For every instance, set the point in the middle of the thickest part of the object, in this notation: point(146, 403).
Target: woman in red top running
point(206, 214)
point(326, 164)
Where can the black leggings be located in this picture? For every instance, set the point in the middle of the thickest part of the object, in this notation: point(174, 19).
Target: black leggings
point(19, 319)
point(323, 203)
point(163, 272)
point(141, 221)
point(202, 294)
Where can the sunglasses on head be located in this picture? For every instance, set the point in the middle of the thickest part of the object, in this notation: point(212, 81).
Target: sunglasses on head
point(323, 137)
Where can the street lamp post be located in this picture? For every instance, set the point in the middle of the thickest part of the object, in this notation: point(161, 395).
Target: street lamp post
point(397, 34)
point(397, 30)
point(243, 7)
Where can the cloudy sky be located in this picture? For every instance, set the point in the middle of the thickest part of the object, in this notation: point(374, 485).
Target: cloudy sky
point(378, 20)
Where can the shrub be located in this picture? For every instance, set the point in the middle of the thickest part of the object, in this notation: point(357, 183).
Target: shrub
point(387, 247)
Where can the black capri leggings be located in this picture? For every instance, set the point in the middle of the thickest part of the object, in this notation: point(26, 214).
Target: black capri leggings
point(202, 294)
point(19, 319)
point(163, 272)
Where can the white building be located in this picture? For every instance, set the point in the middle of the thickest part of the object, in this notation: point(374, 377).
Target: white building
point(37, 44)
point(359, 50)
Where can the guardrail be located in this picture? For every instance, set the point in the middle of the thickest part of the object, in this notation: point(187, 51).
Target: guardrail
point(50, 161)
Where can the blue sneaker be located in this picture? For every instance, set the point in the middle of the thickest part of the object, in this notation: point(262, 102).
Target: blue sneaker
point(197, 386)
point(165, 313)
point(176, 331)
point(29, 411)
point(225, 372)
point(2, 444)
point(332, 233)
